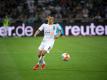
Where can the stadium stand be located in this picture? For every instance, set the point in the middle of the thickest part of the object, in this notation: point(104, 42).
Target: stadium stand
point(35, 11)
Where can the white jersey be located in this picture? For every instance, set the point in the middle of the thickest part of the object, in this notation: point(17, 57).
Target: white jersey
point(49, 34)
point(49, 31)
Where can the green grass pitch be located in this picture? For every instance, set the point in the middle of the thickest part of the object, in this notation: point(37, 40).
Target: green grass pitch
point(88, 59)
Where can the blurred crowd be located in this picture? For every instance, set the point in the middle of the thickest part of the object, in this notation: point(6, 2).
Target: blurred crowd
point(36, 11)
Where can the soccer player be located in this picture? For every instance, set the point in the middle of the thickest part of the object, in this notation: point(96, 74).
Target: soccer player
point(47, 43)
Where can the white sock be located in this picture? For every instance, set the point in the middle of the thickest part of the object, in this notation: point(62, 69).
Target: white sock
point(41, 60)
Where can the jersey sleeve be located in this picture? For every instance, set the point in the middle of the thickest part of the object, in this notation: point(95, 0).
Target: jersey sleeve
point(41, 27)
point(59, 28)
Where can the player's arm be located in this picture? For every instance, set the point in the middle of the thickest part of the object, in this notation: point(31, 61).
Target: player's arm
point(40, 29)
point(59, 31)
point(36, 33)
point(58, 35)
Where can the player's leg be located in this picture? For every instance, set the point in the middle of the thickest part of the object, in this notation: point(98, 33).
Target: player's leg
point(43, 49)
point(41, 54)
point(37, 65)
point(47, 48)
point(42, 59)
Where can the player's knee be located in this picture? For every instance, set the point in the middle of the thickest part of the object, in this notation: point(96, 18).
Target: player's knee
point(39, 53)
point(43, 53)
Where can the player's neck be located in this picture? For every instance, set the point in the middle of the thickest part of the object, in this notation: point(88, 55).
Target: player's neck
point(50, 23)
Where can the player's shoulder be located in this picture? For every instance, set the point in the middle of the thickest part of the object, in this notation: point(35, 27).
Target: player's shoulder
point(57, 25)
point(44, 24)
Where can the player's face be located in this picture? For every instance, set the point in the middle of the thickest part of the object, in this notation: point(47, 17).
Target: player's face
point(50, 20)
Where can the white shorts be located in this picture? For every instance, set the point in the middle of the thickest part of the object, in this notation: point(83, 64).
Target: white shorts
point(46, 45)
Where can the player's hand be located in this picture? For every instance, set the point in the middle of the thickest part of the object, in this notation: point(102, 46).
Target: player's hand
point(36, 33)
point(57, 36)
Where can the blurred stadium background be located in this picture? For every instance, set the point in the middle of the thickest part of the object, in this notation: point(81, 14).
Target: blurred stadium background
point(88, 54)
point(34, 12)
